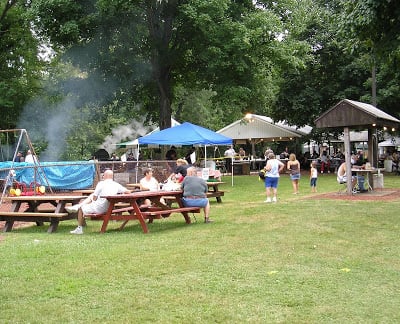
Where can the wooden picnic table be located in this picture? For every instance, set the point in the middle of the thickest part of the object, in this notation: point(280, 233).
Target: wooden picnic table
point(136, 211)
point(34, 212)
point(213, 190)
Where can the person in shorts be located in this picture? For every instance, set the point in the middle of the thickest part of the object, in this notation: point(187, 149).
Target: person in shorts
point(195, 193)
point(273, 167)
point(95, 204)
point(293, 166)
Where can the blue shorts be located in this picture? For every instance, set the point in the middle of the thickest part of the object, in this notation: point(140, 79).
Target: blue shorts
point(295, 176)
point(199, 202)
point(313, 182)
point(271, 182)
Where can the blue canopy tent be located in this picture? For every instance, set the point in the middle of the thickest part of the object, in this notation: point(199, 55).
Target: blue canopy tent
point(186, 134)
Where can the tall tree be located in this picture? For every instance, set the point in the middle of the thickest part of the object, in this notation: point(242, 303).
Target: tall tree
point(371, 28)
point(20, 64)
point(330, 73)
point(145, 50)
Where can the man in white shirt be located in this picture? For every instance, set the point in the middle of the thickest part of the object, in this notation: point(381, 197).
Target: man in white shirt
point(229, 156)
point(95, 203)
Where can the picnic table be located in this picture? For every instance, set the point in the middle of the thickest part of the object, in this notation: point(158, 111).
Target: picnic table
point(35, 213)
point(135, 211)
point(213, 190)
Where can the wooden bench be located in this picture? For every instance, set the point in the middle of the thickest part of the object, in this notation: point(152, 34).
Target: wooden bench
point(156, 212)
point(217, 194)
point(148, 212)
point(34, 214)
point(210, 194)
point(38, 217)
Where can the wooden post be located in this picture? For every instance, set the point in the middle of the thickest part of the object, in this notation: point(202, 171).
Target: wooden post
point(347, 154)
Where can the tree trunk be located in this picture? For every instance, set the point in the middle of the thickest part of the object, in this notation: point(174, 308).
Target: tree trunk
point(160, 15)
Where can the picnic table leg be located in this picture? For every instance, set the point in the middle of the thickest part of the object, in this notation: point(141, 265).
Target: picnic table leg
point(123, 225)
point(139, 216)
point(107, 217)
point(8, 226)
point(53, 226)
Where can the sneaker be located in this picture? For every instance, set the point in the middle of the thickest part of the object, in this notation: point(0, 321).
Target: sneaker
point(72, 209)
point(274, 199)
point(207, 220)
point(268, 200)
point(77, 230)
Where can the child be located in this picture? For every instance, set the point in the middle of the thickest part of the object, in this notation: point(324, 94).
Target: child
point(313, 176)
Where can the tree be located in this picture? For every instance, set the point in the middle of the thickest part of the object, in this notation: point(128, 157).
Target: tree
point(371, 27)
point(145, 50)
point(21, 67)
point(330, 73)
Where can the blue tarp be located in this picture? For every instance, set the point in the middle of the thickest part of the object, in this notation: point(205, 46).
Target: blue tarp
point(185, 134)
point(59, 175)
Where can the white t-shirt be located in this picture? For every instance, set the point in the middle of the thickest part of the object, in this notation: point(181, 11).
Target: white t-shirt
point(230, 152)
point(106, 187)
point(151, 184)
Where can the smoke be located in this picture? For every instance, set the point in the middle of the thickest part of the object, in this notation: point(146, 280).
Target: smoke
point(48, 126)
point(123, 133)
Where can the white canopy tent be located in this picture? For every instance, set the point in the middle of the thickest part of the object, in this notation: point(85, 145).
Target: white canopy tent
point(390, 142)
point(255, 127)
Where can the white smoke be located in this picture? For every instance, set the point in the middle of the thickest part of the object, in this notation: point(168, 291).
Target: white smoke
point(124, 133)
point(47, 125)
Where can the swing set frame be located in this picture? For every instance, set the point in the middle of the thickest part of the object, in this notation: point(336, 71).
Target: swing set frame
point(23, 134)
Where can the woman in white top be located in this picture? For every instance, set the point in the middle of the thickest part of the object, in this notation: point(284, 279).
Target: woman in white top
point(148, 182)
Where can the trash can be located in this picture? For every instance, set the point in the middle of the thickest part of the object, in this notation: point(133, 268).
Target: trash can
point(377, 181)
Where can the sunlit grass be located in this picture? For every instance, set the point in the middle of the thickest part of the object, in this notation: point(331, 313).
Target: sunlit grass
point(302, 260)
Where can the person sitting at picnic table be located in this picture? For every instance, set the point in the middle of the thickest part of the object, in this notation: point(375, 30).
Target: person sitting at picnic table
point(342, 176)
point(148, 182)
point(181, 169)
point(195, 193)
point(95, 203)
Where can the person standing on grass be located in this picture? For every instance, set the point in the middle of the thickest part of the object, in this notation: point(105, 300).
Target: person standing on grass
point(272, 170)
point(313, 176)
point(293, 166)
point(95, 203)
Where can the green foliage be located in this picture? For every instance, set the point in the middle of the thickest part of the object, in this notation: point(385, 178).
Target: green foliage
point(373, 24)
point(20, 66)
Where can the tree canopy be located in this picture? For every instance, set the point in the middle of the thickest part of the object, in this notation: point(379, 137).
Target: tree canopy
point(101, 64)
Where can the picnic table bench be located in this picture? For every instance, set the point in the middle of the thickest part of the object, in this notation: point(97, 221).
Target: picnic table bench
point(134, 210)
point(35, 213)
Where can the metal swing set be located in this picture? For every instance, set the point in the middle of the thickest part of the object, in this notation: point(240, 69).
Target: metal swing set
point(7, 152)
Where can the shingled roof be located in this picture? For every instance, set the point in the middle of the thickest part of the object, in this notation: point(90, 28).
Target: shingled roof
point(354, 114)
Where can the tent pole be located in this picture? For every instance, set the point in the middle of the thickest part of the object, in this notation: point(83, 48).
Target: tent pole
point(232, 170)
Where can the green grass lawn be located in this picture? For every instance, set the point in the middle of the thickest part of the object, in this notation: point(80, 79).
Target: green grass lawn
point(302, 260)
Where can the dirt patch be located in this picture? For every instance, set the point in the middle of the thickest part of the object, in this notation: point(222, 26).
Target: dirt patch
point(375, 195)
